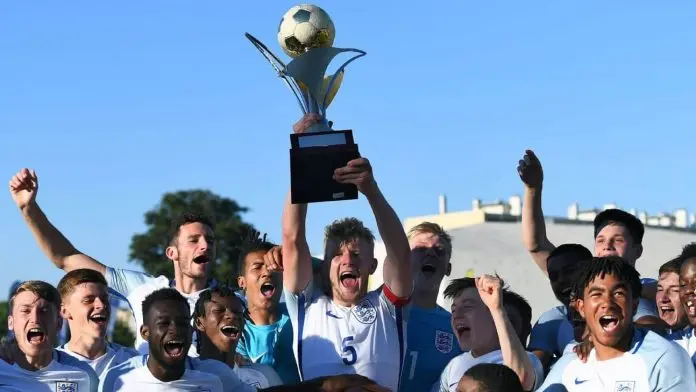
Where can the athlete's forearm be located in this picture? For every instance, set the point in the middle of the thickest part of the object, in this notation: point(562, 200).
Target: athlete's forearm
point(514, 354)
point(397, 268)
point(534, 228)
point(297, 262)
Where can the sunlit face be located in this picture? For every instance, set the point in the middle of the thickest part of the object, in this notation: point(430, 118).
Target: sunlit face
point(608, 307)
point(194, 251)
point(687, 289)
point(669, 306)
point(429, 261)
point(615, 240)
point(261, 287)
point(35, 323)
point(472, 323)
point(223, 322)
point(87, 310)
point(167, 331)
point(468, 384)
point(350, 265)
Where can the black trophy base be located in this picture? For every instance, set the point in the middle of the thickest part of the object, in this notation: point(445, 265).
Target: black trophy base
point(313, 159)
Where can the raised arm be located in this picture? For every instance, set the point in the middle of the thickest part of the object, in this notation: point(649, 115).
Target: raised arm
point(24, 186)
point(297, 261)
point(397, 268)
point(514, 355)
point(533, 226)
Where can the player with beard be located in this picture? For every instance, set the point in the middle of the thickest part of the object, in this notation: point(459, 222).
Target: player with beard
point(669, 305)
point(430, 338)
point(31, 363)
point(86, 307)
point(167, 367)
point(490, 323)
point(191, 250)
point(616, 232)
point(553, 330)
point(219, 322)
point(267, 335)
point(624, 357)
point(339, 327)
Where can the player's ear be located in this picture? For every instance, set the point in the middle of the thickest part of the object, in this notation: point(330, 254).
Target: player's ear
point(144, 332)
point(198, 324)
point(172, 253)
point(64, 313)
point(10, 323)
point(448, 271)
point(373, 266)
point(580, 307)
point(639, 250)
point(636, 302)
point(241, 282)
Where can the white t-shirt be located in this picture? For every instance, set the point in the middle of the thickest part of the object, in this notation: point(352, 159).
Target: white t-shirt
point(202, 376)
point(686, 340)
point(652, 364)
point(258, 376)
point(63, 374)
point(115, 355)
point(456, 368)
point(366, 339)
point(133, 287)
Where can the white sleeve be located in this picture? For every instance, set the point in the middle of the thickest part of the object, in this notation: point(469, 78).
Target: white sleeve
point(124, 281)
point(444, 378)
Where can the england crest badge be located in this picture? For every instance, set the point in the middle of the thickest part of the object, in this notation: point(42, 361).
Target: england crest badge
point(624, 386)
point(365, 312)
point(66, 386)
point(444, 341)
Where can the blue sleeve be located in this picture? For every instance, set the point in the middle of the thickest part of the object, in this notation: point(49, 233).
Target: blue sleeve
point(538, 370)
point(124, 281)
point(645, 308)
point(543, 336)
point(554, 380)
point(673, 371)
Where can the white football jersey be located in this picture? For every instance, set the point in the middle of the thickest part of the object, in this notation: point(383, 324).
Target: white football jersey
point(366, 339)
point(456, 368)
point(651, 364)
point(133, 287)
point(115, 354)
point(56, 376)
point(686, 340)
point(258, 376)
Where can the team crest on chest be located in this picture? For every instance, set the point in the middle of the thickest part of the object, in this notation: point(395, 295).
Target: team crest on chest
point(365, 312)
point(624, 386)
point(444, 341)
point(66, 386)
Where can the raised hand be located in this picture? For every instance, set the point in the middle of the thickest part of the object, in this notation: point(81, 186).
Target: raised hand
point(273, 259)
point(490, 289)
point(530, 170)
point(357, 172)
point(23, 186)
point(306, 122)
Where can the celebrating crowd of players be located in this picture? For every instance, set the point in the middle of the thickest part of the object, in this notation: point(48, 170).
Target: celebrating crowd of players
point(297, 323)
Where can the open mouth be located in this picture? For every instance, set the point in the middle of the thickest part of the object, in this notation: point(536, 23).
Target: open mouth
point(202, 259)
point(667, 310)
point(231, 331)
point(691, 308)
point(267, 289)
point(462, 329)
point(349, 279)
point(174, 348)
point(609, 323)
point(428, 270)
point(99, 319)
point(36, 336)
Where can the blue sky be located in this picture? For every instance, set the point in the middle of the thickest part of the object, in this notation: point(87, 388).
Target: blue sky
point(115, 103)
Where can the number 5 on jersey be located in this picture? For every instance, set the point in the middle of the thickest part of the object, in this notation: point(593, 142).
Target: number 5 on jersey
point(350, 356)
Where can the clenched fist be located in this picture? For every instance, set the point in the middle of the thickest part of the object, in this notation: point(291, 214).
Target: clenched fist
point(23, 186)
point(530, 170)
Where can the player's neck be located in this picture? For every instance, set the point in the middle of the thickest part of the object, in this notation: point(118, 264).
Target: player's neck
point(166, 373)
point(209, 351)
point(87, 346)
point(187, 285)
point(424, 299)
point(604, 353)
point(38, 362)
point(264, 316)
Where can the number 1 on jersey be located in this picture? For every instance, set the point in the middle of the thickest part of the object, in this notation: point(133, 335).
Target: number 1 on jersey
point(414, 359)
point(350, 356)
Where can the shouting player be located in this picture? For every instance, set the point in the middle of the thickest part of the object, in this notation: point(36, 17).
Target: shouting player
point(35, 320)
point(431, 343)
point(624, 358)
point(191, 250)
point(86, 307)
point(339, 327)
point(669, 305)
point(167, 367)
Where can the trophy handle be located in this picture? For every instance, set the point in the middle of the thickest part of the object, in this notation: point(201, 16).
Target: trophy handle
point(281, 69)
point(341, 69)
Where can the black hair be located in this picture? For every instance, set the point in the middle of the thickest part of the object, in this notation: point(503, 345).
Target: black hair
point(673, 265)
point(576, 251)
point(493, 377)
point(615, 215)
point(347, 229)
point(689, 251)
point(165, 294)
point(457, 286)
point(207, 296)
point(251, 243)
point(610, 265)
point(184, 219)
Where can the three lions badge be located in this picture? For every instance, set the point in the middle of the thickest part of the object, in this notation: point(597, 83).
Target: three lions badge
point(365, 312)
point(444, 341)
point(66, 386)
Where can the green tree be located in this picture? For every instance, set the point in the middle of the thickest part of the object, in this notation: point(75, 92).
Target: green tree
point(4, 309)
point(123, 335)
point(148, 249)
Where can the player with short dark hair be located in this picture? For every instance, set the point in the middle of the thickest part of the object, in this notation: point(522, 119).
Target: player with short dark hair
point(624, 357)
point(191, 249)
point(167, 367)
point(669, 306)
point(489, 377)
point(490, 323)
point(30, 363)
